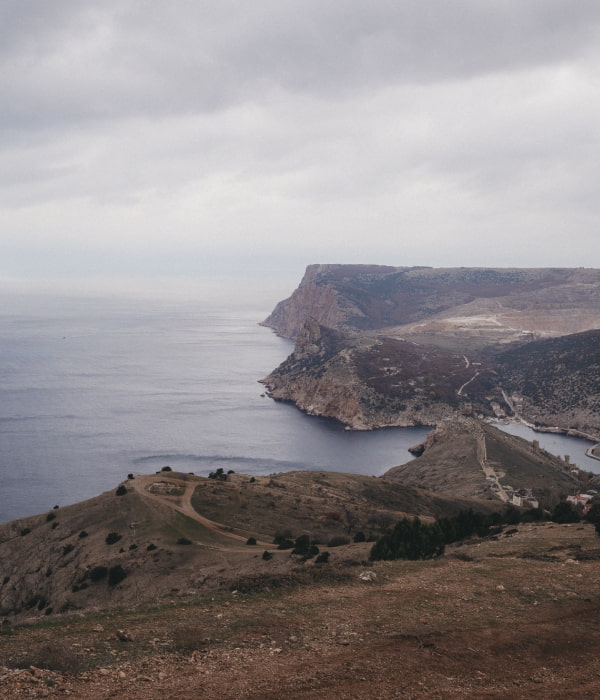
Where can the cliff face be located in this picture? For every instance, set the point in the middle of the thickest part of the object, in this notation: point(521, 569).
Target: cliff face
point(493, 302)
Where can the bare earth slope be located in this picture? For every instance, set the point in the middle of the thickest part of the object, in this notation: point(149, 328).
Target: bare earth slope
point(513, 617)
point(171, 535)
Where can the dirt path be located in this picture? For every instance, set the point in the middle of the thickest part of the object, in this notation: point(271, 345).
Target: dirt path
point(182, 502)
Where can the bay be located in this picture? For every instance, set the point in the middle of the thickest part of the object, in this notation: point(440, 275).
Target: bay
point(93, 388)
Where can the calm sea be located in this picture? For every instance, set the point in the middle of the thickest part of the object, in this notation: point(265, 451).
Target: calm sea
point(94, 388)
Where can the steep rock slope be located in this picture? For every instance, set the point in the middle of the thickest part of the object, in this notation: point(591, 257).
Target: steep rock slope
point(367, 382)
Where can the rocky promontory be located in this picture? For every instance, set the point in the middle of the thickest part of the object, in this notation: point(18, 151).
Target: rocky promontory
point(380, 346)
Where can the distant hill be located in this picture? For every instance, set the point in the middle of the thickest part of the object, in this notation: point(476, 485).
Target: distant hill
point(494, 303)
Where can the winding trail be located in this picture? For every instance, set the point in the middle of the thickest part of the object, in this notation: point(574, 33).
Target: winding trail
point(180, 502)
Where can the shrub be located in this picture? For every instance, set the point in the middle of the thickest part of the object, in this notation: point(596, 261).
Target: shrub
point(251, 540)
point(97, 573)
point(51, 515)
point(121, 491)
point(112, 537)
point(25, 531)
point(166, 469)
point(184, 540)
point(116, 574)
point(68, 548)
point(360, 537)
point(593, 514)
point(130, 476)
point(267, 555)
point(323, 558)
point(54, 525)
point(301, 545)
point(133, 546)
point(83, 534)
point(219, 475)
point(564, 513)
point(252, 480)
point(150, 547)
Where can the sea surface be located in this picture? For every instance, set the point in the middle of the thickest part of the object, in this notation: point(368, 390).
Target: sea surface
point(93, 388)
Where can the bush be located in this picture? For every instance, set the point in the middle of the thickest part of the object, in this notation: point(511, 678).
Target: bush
point(112, 537)
point(219, 475)
point(184, 540)
point(130, 476)
point(564, 513)
point(97, 573)
point(121, 491)
point(267, 555)
point(25, 531)
point(68, 548)
point(51, 515)
point(323, 558)
point(166, 469)
point(116, 574)
point(301, 545)
point(150, 547)
point(251, 540)
point(360, 537)
point(83, 534)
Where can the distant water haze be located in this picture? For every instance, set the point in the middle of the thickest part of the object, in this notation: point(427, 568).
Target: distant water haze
point(94, 386)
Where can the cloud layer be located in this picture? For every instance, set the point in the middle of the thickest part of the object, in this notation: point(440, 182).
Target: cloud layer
point(193, 137)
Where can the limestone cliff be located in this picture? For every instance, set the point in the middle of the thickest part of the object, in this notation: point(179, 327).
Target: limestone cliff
point(488, 302)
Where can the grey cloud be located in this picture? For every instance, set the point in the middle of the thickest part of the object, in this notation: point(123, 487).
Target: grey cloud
point(72, 60)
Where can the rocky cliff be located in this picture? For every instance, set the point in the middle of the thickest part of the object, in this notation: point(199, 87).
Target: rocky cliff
point(368, 383)
point(486, 342)
point(477, 301)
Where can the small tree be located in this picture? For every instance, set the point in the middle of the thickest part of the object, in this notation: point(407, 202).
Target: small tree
point(112, 538)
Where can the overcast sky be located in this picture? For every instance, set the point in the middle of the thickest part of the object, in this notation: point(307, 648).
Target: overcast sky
point(194, 137)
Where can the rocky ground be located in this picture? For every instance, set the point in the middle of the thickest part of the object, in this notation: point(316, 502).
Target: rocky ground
point(512, 617)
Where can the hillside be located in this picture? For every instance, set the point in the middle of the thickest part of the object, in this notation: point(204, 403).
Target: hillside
point(152, 590)
point(171, 535)
point(461, 454)
point(556, 381)
point(514, 616)
point(380, 347)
